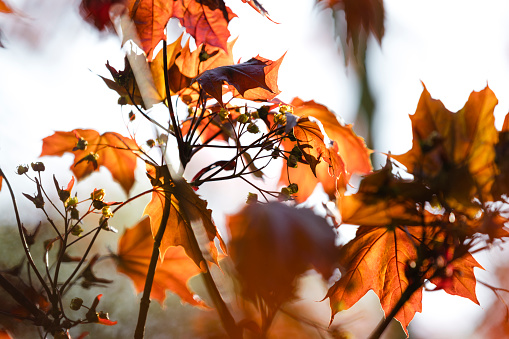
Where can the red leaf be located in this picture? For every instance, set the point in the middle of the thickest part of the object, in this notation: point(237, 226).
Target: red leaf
point(207, 21)
point(255, 79)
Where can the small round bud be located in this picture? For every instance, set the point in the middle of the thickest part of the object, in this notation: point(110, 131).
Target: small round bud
point(285, 109)
point(97, 194)
point(253, 128)
point(132, 116)
point(254, 115)
point(293, 188)
point(280, 119)
point(71, 202)
point(81, 144)
point(224, 114)
point(203, 56)
point(252, 198)
point(151, 143)
point(76, 304)
point(21, 169)
point(38, 166)
point(162, 139)
point(243, 118)
point(77, 230)
point(75, 214)
point(122, 101)
point(106, 212)
point(292, 161)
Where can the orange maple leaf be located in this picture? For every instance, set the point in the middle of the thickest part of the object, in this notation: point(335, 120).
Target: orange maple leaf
point(347, 148)
point(186, 206)
point(4, 335)
point(173, 273)
point(207, 21)
point(378, 258)
point(111, 150)
point(4, 8)
point(255, 79)
point(454, 152)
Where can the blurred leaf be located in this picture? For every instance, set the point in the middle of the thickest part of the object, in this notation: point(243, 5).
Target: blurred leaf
point(272, 244)
point(172, 273)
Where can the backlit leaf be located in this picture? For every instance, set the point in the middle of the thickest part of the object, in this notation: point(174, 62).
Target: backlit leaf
point(114, 151)
point(185, 208)
point(348, 151)
point(454, 152)
point(378, 258)
point(207, 21)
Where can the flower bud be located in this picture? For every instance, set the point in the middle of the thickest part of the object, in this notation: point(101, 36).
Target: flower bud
point(151, 143)
point(280, 119)
point(243, 118)
point(253, 128)
point(122, 101)
point(97, 194)
point(132, 116)
point(293, 188)
point(75, 214)
point(77, 230)
point(38, 166)
point(204, 56)
point(71, 202)
point(224, 114)
point(285, 109)
point(252, 198)
point(21, 169)
point(81, 145)
point(106, 212)
point(292, 161)
point(76, 304)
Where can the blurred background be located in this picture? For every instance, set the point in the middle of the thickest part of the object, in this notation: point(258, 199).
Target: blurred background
point(49, 82)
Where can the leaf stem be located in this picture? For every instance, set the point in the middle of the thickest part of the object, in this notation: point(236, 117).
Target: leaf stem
point(145, 299)
point(409, 291)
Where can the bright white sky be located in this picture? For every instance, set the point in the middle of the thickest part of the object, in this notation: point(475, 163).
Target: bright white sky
point(453, 46)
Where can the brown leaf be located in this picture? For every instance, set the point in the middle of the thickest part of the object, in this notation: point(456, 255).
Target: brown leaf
point(114, 151)
point(272, 244)
point(172, 273)
point(255, 79)
point(362, 17)
point(185, 208)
